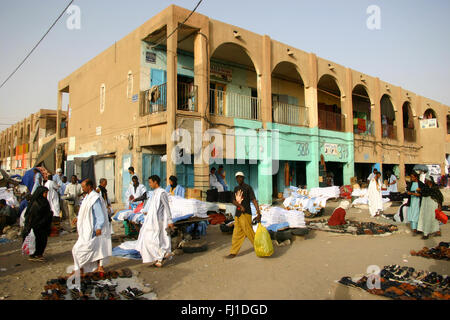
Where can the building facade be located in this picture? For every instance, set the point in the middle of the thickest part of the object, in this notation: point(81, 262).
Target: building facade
point(22, 143)
point(213, 93)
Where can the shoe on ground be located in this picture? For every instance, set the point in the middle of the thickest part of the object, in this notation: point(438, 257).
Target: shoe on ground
point(230, 256)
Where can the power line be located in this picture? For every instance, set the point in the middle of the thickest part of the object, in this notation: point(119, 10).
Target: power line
point(15, 70)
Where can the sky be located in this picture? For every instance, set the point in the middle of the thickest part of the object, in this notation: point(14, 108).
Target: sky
point(411, 49)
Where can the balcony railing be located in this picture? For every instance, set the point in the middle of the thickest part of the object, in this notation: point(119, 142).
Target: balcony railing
point(290, 114)
point(155, 99)
point(331, 121)
point(409, 134)
point(230, 104)
point(364, 127)
point(187, 96)
point(389, 131)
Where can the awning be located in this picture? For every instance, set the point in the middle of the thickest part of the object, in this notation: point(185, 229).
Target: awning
point(46, 157)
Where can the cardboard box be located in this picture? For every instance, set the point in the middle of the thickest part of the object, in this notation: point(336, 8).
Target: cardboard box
point(194, 194)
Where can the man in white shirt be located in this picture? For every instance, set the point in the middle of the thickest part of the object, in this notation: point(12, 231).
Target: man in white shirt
point(372, 175)
point(392, 183)
point(135, 191)
point(71, 196)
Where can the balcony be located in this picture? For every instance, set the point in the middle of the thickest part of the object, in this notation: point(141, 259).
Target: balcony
point(409, 135)
point(364, 127)
point(331, 121)
point(290, 114)
point(155, 99)
point(230, 104)
point(389, 131)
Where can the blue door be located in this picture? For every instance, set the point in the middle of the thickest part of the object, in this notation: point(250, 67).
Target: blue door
point(152, 165)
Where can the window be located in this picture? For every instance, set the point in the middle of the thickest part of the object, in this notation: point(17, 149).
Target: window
point(129, 85)
point(102, 97)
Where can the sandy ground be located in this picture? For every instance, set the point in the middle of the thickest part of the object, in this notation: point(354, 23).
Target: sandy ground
point(307, 269)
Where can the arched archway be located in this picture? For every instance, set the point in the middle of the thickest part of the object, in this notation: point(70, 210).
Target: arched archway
point(234, 83)
point(409, 133)
point(430, 114)
point(362, 123)
point(329, 104)
point(288, 95)
point(388, 127)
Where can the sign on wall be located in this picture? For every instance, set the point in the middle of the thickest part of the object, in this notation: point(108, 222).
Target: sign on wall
point(150, 57)
point(331, 149)
point(221, 73)
point(428, 123)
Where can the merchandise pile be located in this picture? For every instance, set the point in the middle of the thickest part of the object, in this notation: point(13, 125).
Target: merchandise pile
point(95, 286)
point(9, 197)
point(353, 227)
point(275, 218)
point(404, 283)
point(362, 197)
point(180, 209)
point(440, 252)
point(310, 202)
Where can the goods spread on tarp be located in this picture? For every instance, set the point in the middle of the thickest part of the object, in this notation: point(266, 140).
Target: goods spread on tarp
point(440, 252)
point(403, 283)
point(309, 202)
point(353, 227)
point(112, 285)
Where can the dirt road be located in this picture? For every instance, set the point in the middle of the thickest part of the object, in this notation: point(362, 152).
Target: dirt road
point(307, 269)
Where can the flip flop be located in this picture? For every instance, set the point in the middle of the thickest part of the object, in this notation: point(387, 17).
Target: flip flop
point(158, 264)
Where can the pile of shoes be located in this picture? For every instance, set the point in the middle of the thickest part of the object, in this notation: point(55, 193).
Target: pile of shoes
point(93, 286)
point(441, 252)
point(405, 283)
point(353, 227)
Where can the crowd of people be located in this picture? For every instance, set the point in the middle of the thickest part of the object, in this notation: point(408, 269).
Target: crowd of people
point(87, 209)
point(424, 198)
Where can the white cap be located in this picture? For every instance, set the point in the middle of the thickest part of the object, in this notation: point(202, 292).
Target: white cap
point(240, 174)
point(58, 170)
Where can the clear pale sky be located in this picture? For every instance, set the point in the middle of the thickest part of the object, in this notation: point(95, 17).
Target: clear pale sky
point(411, 50)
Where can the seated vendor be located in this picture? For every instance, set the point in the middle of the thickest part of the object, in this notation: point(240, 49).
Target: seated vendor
point(213, 182)
point(174, 188)
point(8, 215)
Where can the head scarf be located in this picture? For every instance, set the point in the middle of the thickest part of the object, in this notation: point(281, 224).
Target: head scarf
point(38, 197)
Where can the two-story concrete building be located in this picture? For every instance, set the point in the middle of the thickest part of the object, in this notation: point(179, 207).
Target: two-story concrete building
point(21, 145)
point(260, 105)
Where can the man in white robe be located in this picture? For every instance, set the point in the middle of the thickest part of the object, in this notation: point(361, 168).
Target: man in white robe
point(392, 183)
point(135, 191)
point(53, 196)
point(154, 243)
point(93, 246)
point(213, 182)
point(375, 196)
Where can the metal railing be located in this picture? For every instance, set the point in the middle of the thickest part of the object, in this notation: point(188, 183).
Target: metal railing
point(187, 96)
point(365, 128)
point(409, 134)
point(290, 114)
point(155, 99)
point(230, 104)
point(389, 131)
point(331, 121)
